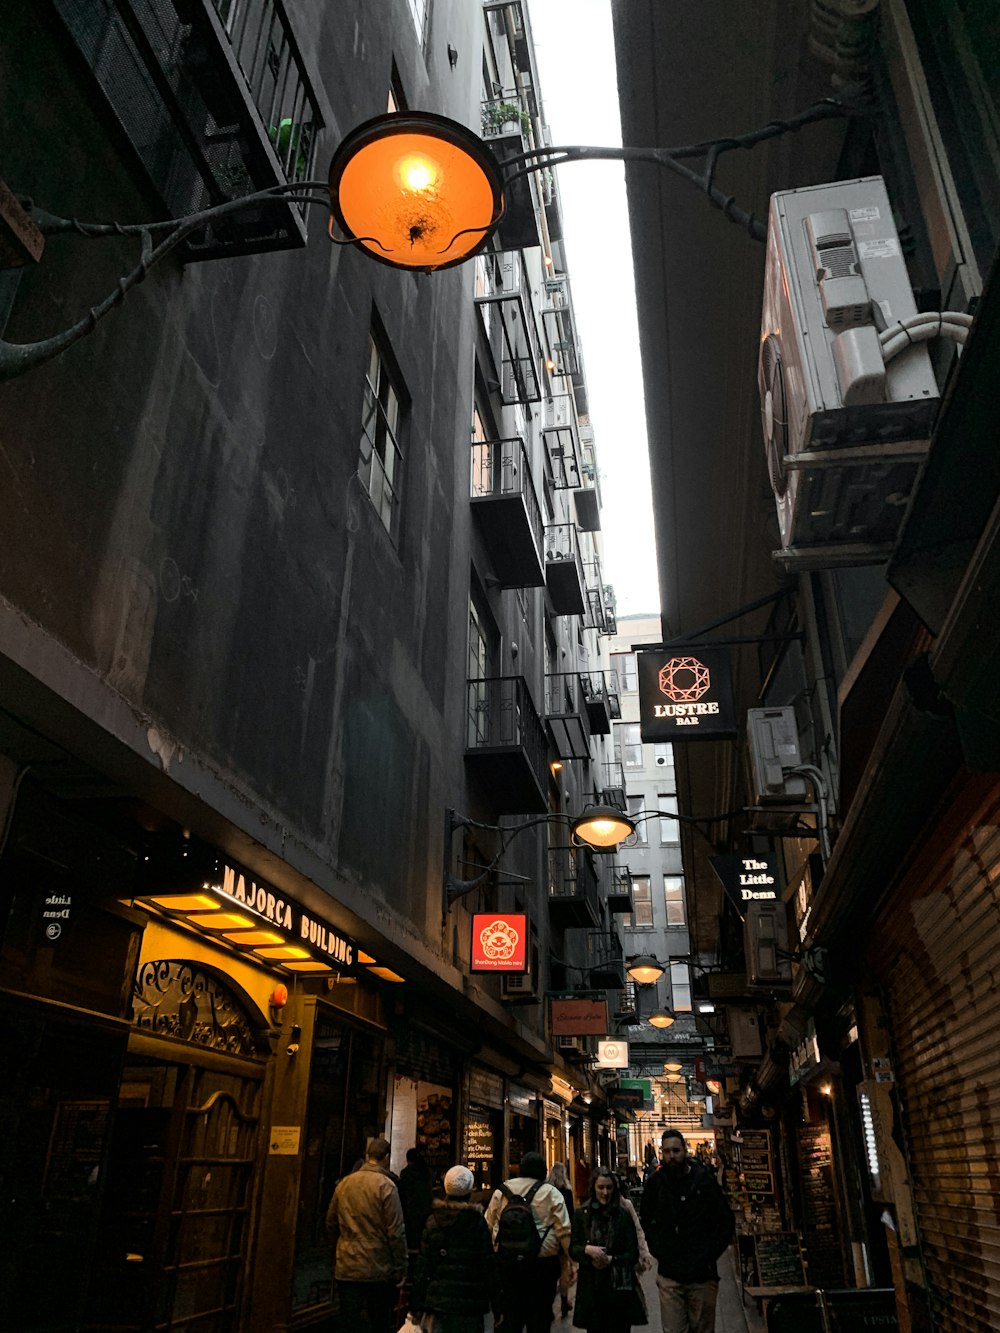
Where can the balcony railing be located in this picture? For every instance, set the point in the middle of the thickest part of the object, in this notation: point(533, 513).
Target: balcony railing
point(619, 896)
point(566, 714)
point(503, 295)
point(560, 325)
point(505, 121)
point(613, 791)
point(606, 960)
point(573, 896)
point(564, 576)
point(506, 506)
point(506, 742)
point(601, 699)
point(215, 99)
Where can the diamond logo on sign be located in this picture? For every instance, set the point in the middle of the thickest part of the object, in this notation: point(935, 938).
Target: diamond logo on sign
point(684, 680)
point(685, 695)
point(612, 1054)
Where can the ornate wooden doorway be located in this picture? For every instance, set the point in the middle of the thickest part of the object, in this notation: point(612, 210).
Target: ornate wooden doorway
point(178, 1197)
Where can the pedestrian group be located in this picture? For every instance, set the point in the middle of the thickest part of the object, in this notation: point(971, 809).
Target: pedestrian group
point(403, 1256)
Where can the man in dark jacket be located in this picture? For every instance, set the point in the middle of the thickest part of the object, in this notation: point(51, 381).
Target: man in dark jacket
point(688, 1225)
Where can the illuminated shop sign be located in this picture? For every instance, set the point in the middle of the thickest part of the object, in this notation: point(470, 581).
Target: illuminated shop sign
point(748, 879)
point(685, 694)
point(299, 927)
point(612, 1054)
point(499, 942)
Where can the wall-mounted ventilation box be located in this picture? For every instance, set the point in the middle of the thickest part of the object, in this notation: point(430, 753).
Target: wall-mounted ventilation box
point(835, 277)
point(772, 751)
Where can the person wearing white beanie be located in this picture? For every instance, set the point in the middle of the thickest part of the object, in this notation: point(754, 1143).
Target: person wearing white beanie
point(456, 1278)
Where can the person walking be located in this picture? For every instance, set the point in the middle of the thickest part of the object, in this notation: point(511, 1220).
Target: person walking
point(688, 1225)
point(365, 1225)
point(529, 1224)
point(456, 1277)
point(606, 1246)
point(416, 1196)
point(557, 1176)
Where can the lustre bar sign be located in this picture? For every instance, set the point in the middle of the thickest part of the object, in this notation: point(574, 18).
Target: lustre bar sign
point(686, 694)
point(499, 942)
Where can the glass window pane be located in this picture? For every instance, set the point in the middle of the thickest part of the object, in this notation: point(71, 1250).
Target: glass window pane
point(642, 900)
point(670, 829)
point(680, 986)
point(673, 893)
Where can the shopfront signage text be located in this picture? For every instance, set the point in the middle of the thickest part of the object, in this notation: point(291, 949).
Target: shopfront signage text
point(747, 878)
point(499, 942)
point(579, 1018)
point(287, 916)
point(685, 694)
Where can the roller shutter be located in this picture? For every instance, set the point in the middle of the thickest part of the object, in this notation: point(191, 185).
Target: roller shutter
point(937, 951)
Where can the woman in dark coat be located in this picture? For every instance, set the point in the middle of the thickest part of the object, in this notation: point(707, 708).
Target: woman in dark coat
point(604, 1244)
point(456, 1277)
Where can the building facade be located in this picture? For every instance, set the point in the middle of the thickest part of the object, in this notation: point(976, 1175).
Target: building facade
point(301, 618)
point(850, 578)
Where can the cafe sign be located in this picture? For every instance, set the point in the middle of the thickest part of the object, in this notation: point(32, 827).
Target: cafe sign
point(685, 694)
point(579, 1018)
point(499, 942)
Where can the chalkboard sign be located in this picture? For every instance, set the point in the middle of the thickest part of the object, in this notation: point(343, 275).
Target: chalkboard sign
point(779, 1260)
point(478, 1141)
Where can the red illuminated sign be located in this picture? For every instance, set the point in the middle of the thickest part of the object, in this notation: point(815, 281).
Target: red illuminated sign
point(499, 942)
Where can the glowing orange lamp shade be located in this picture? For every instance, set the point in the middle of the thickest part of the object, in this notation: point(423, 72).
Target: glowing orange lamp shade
point(416, 190)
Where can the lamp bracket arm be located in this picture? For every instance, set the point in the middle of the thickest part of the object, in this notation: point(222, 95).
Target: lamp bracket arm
point(17, 358)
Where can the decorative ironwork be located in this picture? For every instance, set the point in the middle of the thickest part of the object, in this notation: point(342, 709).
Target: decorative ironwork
point(172, 998)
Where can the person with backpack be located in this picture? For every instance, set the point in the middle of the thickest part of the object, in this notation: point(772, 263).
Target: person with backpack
point(456, 1276)
point(530, 1226)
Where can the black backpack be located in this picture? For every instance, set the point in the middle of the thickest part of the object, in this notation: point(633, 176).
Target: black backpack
point(518, 1237)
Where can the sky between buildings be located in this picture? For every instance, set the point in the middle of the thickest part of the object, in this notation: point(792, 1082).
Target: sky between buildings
point(574, 43)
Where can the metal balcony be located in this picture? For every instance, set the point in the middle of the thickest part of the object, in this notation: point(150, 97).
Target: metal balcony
point(564, 570)
point(503, 295)
point(573, 898)
point(605, 960)
point(505, 504)
point(506, 744)
point(560, 325)
point(561, 437)
point(619, 896)
point(613, 791)
point(610, 610)
point(566, 715)
point(601, 700)
point(506, 126)
point(214, 97)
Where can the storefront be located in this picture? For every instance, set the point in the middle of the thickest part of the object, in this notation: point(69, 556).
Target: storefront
point(189, 1061)
point(483, 1132)
point(523, 1125)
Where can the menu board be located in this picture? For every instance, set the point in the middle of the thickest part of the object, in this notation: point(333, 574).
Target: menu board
point(750, 1181)
point(779, 1260)
point(478, 1141)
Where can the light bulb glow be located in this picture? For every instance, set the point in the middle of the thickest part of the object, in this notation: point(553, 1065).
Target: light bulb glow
point(417, 173)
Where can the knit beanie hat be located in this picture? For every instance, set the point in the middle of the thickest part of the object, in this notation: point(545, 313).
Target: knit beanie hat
point(458, 1181)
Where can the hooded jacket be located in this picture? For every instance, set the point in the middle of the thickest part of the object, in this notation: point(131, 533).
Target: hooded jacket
point(687, 1222)
point(365, 1223)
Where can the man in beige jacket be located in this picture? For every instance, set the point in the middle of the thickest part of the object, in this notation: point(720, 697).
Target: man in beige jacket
point(365, 1224)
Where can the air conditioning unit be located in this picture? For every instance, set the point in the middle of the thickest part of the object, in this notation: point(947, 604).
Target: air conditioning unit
point(570, 1045)
point(519, 986)
point(844, 431)
point(765, 943)
point(772, 751)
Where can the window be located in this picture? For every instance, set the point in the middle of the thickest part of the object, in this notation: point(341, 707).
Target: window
point(663, 753)
point(673, 894)
point(624, 664)
point(397, 98)
point(670, 829)
point(642, 902)
point(628, 745)
point(482, 649)
point(680, 986)
point(481, 471)
point(635, 811)
point(381, 463)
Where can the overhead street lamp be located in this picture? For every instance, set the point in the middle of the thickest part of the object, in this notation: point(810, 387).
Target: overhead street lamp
point(412, 189)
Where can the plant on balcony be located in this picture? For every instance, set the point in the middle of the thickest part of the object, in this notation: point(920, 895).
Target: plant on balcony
point(505, 118)
point(288, 135)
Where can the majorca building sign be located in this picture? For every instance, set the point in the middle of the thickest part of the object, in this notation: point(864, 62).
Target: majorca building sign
point(686, 694)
